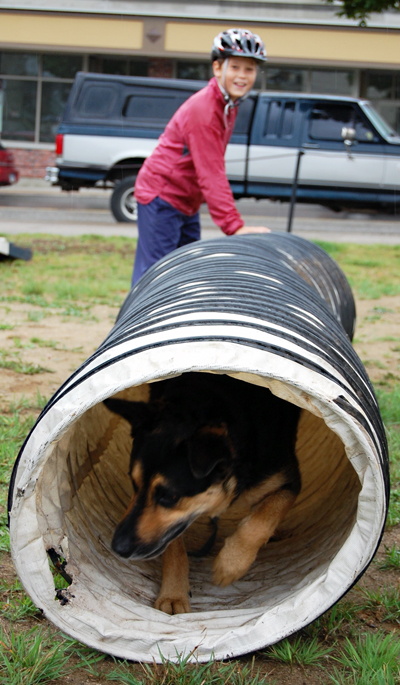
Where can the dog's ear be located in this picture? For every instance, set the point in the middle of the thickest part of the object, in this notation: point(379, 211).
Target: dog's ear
point(137, 413)
point(207, 448)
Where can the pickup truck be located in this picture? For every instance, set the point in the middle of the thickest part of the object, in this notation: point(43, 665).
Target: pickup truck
point(350, 155)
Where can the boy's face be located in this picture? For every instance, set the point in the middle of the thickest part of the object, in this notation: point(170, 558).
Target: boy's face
point(240, 75)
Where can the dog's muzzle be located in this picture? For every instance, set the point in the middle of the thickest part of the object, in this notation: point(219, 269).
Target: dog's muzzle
point(123, 544)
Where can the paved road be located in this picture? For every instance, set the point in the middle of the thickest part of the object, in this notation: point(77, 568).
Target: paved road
point(34, 207)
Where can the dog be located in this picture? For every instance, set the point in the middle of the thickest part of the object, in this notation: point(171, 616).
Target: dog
point(202, 442)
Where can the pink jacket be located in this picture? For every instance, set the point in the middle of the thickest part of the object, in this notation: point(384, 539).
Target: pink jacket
point(187, 167)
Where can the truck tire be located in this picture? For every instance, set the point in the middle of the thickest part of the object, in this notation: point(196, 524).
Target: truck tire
point(122, 204)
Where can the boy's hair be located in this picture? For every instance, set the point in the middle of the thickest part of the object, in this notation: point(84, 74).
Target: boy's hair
point(221, 60)
point(238, 43)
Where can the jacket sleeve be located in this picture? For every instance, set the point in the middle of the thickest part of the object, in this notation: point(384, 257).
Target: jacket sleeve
point(207, 152)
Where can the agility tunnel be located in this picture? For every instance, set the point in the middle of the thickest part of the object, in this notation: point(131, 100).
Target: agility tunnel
point(273, 310)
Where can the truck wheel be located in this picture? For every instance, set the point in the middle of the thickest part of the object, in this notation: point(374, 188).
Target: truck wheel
point(123, 204)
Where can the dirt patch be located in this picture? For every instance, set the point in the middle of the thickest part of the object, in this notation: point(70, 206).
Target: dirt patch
point(377, 337)
point(92, 246)
point(48, 344)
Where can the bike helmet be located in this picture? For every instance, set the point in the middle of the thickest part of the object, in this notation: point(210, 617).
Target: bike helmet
point(238, 43)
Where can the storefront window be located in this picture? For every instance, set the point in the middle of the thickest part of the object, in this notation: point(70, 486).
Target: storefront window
point(54, 99)
point(19, 109)
point(33, 103)
point(378, 85)
point(397, 86)
point(198, 71)
point(161, 68)
point(108, 65)
point(332, 81)
point(286, 79)
point(119, 66)
point(19, 64)
point(138, 68)
point(61, 66)
point(391, 113)
point(383, 89)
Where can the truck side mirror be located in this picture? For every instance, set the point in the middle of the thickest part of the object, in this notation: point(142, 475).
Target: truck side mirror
point(348, 135)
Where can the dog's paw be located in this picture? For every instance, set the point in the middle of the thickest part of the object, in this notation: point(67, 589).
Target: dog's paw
point(231, 563)
point(175, 605)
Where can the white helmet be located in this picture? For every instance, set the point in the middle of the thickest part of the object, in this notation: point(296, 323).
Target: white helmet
point(238, 43)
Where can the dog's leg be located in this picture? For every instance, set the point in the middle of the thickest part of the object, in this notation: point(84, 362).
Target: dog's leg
point(174, 592)
point(240, 548)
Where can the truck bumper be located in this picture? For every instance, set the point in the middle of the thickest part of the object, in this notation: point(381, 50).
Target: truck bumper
point(52, 175)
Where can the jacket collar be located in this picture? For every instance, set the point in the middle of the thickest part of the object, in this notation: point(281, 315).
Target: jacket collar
point(221, 92)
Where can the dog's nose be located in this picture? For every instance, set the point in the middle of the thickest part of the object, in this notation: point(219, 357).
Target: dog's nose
point(122, 545)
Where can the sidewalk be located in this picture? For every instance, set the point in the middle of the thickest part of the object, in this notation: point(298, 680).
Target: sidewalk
point(33, 206)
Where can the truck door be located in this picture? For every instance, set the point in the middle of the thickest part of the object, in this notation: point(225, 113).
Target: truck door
point(274, 143)
point(236, 152)
point(391, 181)
point(327, 164)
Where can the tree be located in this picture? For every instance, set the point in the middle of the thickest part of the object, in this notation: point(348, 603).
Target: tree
point(361, 9)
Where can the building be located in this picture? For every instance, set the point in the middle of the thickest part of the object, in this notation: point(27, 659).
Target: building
point(43, 43)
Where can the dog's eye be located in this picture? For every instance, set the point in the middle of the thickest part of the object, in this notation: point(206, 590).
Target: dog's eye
point(166, 498)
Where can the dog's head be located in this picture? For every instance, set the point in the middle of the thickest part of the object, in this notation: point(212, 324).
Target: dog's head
point(179, 470)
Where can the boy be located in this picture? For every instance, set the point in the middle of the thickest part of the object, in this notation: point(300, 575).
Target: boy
point(187, 167)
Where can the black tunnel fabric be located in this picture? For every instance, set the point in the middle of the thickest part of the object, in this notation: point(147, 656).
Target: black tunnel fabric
point(274, 310)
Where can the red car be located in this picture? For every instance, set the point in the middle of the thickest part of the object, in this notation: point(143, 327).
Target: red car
point(8, 172)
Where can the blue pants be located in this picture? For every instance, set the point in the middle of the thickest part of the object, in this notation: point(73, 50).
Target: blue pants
point(162, 228)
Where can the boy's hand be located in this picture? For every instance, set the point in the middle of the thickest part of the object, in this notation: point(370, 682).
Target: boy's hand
point(252, 229)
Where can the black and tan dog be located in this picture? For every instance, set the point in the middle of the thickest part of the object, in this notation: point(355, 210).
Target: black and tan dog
point(201, 442)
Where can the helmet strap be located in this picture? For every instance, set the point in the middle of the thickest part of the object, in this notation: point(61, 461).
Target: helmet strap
point(229, 103)
point(224, 68)
point(222, 85)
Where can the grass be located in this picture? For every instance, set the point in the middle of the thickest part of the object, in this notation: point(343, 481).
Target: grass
point(389, 403)
point(375, 363)
point(299, 650)
point(392, 559)
point(373, 270)
point(66, 270)
point(68, 277)
point(14, 427)
point(15, 605)
point(36, 656)
point(36, 316)
point(339, 620)
point(13, 361)
point(372, 659)
point(32, 657)
point(35, 342)
point(98, 269)
point(53, 344)
point(384, 602)
point(184, 673)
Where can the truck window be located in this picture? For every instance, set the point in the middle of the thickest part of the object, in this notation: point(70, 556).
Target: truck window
point(243, 118)
point(279, 121)
point(328, 119)
point(364, 132)
point(96, 101)
point(154, 108)
point(273, 118)
point(288, 120)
